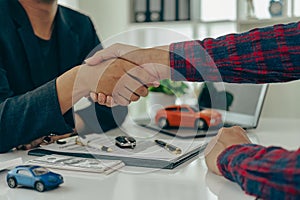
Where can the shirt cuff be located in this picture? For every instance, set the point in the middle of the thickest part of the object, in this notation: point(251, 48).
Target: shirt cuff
point(181, 69)
point(55, 120)
point(191, 61)
point(233, 156)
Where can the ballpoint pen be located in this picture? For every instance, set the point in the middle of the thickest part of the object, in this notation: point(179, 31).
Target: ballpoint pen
point(169, 147)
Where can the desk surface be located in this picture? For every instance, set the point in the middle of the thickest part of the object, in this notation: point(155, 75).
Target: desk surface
point(189, 181)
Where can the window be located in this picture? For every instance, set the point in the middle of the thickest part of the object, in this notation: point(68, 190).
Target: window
point(218, 10)
point(184, 110)
point(24, 172)
point(297, 8)
point(171, 109)
point(40, 171)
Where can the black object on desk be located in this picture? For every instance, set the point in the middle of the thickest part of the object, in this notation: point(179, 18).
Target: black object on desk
point(125, 142)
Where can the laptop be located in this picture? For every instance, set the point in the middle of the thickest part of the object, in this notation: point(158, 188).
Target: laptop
point(239, 105)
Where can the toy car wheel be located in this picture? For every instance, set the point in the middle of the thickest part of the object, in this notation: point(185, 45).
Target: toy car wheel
point(39, 186)
point(163, 122)
point(200, 124)
point(12, 183)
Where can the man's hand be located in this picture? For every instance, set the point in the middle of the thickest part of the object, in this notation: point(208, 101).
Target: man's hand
point(124, 81)
point(43, 141)
point(112, 52)
point(155, 60)
point(226, 137)
point(121, 73)
point(130, 72)
point(102, 99)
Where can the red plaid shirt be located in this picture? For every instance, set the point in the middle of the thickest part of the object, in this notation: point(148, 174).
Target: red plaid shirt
point(263, 55)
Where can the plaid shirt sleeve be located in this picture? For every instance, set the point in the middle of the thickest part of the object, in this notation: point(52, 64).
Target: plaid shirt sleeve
point(265, 172)
point(262, 55)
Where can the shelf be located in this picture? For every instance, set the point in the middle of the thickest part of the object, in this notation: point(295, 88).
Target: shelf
point(162, 23)
point(199, 27)
point(216, 21)
point(270, 20)
point(245, 25)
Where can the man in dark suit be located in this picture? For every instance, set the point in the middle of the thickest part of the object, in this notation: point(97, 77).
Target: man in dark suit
point(40, 43)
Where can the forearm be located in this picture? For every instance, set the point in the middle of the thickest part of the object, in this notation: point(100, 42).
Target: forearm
point(158, 57)
point(262, 55)
point(64, 89)
point(75, 84)
point(269, 173)
point(78, 83)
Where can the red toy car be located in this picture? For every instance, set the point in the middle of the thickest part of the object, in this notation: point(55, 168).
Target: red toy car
point(187, 116)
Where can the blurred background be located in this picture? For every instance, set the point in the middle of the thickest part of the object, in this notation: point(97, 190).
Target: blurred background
point(157, 22)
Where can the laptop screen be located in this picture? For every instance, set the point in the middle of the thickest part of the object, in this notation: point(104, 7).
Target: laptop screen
point(239, 104)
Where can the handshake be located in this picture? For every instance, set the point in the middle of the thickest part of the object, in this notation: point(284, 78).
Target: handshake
point(121, 73)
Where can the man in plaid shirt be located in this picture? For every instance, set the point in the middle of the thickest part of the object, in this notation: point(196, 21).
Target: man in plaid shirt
point(264, 55)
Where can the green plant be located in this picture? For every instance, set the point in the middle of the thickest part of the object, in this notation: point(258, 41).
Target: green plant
point(170, 87)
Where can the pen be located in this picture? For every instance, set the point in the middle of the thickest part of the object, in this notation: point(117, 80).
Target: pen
point(169, 147)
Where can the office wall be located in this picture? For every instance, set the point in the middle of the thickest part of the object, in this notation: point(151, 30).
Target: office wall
point(112, 16)
point(69, 3)
point(109, 16)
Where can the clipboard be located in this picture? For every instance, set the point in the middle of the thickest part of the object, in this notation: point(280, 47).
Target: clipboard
point(153, 157)
point(151, 163)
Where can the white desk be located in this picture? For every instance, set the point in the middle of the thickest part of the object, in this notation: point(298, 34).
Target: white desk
point(190, 181)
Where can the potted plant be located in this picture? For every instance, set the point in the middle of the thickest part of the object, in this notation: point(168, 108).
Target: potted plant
point(170, 87)
point(165, 94)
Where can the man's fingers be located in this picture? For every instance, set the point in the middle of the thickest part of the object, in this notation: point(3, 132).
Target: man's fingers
point(154, 84)
point(100, 56)
point(113, 51)
point(43, 141)
point(134, 88)
point(233, 135)
point(142, 75)
point(101, 98)
point(123, 81)
point(120, 99)
point(110, 102)
point(129, 94)
point(142, 91)
point(94, 96)
point(129, 88)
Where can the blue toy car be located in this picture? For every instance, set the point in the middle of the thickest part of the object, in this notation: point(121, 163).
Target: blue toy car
point(32, 176)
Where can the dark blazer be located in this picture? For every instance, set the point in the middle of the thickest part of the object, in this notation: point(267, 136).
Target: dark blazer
point(29, 106)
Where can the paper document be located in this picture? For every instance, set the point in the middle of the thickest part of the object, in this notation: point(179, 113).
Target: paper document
point(77, 163)
point(146, 153)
